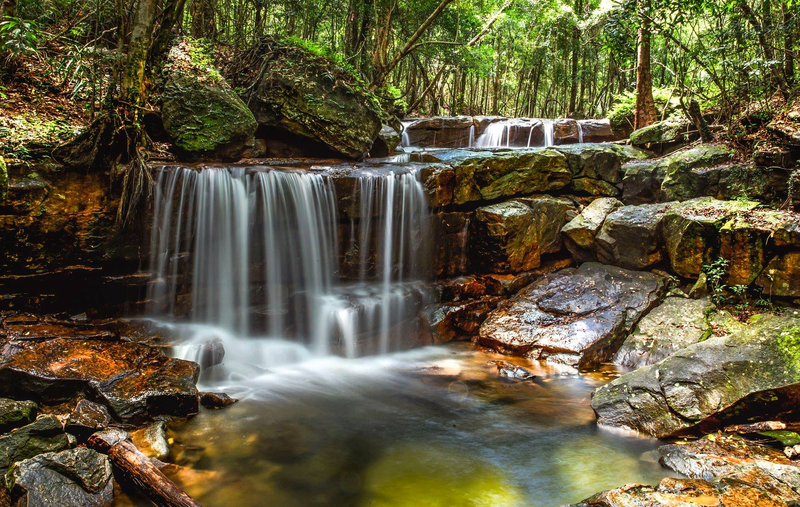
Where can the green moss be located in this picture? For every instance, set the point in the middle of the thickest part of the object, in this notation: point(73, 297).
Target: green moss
point(786, 438)
point(789, 347)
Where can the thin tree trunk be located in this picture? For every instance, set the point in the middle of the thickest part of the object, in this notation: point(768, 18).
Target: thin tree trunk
point(645, 112)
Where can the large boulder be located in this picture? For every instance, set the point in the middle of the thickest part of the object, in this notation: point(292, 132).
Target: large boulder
point(491, 175)
point(596, 168)
point(580, 233)
point(202, 115)
point(597, 131)
point(753, 374)
point(673, 325)
point(512, 236)
point(134, 381)
point(45, 434)
point(577, 317)
point(442, 132)
point(313, 100)
point(631, 236)
point(74, 478)
point(691, 232)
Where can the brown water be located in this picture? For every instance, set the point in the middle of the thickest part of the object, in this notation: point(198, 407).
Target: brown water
point(430, 427)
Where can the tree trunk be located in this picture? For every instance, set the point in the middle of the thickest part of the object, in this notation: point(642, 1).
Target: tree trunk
point(203, 24)
point(576, 42)
point(645, 113)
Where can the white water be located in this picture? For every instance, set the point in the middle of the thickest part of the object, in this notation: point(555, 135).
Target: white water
point(516, 133)
point(254, 253)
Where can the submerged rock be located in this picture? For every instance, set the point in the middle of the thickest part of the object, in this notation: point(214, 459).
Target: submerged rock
point(201, 113)
point(216, 400)
point(511, 371)
point(45, 434)
point(753, 373)
point(135, 381)
point(577, 317)
point(14, 414)
point(75, 478)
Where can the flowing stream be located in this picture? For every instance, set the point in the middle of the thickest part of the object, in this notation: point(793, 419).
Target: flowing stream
point(315, 309)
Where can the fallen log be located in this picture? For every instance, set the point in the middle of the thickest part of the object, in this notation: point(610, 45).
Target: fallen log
point(138, 469)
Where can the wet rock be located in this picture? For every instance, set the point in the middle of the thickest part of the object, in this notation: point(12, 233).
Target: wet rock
point(671, 326)
point(662, 135)
point(45, 434)
point(14, 414)
point(781, 277)
point(441, 132)
point(216, 400)
point(751, 374)
point(386, 143)
point(689, 174)
point(439, 181)
point(727, 458)
point(580, 232)
point(630, 236)
point(451, 248)
point(75, 478)
point(566, 131)
point(596, 168)
point(511, 371)
point(765, 184)
point(512, 236)
point(691, 232)
point(457, 321)
point(577, 317)
point(134, 381)
point(743, 243)
point(488, 176)
point(597, 131)
point(201, 113)
point(86, 418)
point(295, 97)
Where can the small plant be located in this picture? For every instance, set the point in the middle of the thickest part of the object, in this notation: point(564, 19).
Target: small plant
point(18, 36)
point(715, 276)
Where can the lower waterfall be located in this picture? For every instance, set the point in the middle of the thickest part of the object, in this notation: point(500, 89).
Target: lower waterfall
point(258, 252)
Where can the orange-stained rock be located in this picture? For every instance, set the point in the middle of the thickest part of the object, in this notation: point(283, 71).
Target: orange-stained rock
point(135, 381)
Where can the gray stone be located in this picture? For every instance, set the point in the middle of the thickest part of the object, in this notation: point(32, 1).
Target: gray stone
point(45, 434)
point(78, 477)
point(631, 236)
point(580, 232)
point(14, 414)
point(577, 317)
point(86, 418)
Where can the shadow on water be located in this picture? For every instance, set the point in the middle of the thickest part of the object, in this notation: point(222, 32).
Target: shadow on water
point(432, 426)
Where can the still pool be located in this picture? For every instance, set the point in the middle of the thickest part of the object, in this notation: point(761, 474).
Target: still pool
point(430, 427)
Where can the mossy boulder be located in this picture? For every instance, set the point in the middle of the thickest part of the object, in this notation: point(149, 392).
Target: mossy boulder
point(686, 173)
point(45, 434)
point(202, 115)
point(753, 374)
point(15, 413)
point(311, 99)
point(491, 175)
point(781, 277)
point(512, 236)
point(691, 232)
point(596, 168)
point(661, 133)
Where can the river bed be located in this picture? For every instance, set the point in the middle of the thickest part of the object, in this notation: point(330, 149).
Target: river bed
point(434, 426)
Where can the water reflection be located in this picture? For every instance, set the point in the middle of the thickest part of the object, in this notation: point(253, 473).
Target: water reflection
point(429, 427)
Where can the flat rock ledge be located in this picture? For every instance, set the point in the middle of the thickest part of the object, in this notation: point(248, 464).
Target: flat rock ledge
point(720, 470)
point(746, 376)
point(578, 317)
point(134, 381)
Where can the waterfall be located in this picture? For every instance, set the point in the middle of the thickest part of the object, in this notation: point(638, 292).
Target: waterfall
point(580, 133)
point(257, 251)
point(493, 136)
point(471, 141)
point(405, 140)
point(549, 133)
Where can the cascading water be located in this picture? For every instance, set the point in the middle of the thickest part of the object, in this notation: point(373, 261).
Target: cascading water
point(549, 133)
point(257, 252)
point(517, 133)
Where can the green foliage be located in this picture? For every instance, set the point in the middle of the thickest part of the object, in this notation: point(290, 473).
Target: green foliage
point(716, 272)
point(625, 103)
point(18, 36)
point(200, 51)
